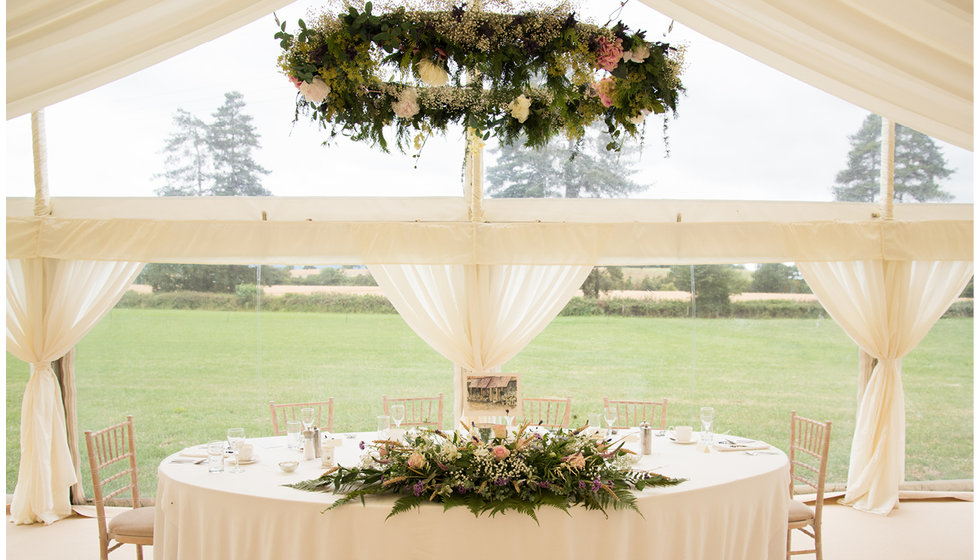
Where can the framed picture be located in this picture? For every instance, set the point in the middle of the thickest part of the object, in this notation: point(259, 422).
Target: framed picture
point(498, 394)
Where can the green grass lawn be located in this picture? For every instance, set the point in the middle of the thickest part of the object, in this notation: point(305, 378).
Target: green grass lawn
point(187, 376)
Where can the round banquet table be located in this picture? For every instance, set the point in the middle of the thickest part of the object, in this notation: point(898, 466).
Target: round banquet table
point(732, 506)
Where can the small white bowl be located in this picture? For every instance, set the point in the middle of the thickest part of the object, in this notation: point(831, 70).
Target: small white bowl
point(288, 466)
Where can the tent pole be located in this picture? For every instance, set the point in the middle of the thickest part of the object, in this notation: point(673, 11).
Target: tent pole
point(42, 201)
point(887, 169)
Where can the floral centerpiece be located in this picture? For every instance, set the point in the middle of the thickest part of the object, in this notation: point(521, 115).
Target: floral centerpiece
point(520, 472)
point(534, 73)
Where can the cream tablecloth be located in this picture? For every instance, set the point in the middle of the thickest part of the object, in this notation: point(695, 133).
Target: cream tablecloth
point(733, 506)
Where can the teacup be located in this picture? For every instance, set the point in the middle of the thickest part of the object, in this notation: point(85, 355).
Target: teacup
point(245, 453)
point(681, 434)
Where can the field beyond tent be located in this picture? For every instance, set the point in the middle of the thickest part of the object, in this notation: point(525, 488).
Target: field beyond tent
point(187, 376)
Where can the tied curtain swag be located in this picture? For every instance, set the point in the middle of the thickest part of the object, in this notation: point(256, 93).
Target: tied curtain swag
point(886, 307)
point(478, 316)
point(51, 305)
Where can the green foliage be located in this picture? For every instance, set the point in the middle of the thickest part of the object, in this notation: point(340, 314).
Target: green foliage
point(713, 286)
point(778, 278)
point(346, 55)
point(603, 279)
point(248, 294)
point(231, 138)
point(213, 159)
point(519, 472)
point(163, 277)
point(919, 165)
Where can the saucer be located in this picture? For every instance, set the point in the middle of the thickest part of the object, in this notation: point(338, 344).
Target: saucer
point(689, 442)
point(244, 462)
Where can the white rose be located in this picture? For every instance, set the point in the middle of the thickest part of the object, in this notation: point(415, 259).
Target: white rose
point(520, 108)
point(407, 105)
point(639, 118)
point(432, 74)
point(316, 91)
point(638, 54)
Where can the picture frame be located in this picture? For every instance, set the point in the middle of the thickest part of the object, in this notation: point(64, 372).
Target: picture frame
point(490, 396)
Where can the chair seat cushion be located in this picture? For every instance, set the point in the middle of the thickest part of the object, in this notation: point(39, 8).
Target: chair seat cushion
point(798, 511)
point(132, 524)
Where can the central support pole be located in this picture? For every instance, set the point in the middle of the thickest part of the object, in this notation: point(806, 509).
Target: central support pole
point(887, 169)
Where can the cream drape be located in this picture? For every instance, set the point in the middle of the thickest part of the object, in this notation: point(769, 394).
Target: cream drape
point(50, 306)
point(886, 307)
point(908, 60)
point(478, 316)
point(60, 48)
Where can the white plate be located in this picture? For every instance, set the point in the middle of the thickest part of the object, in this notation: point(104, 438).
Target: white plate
point(674, 440)
point(244, 462)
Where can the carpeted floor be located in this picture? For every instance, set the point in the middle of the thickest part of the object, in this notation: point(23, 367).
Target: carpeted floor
point(917, 530)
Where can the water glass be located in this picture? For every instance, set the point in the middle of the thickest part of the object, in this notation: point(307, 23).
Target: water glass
point(236, 439)
point(707, 419)
point(384, 424)
point(294, 436)
point(216, 456)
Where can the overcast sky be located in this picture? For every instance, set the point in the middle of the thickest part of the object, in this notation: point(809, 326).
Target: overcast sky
point(743, 130)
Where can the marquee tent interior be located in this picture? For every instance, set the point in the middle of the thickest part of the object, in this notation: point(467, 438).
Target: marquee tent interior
point(463, 258)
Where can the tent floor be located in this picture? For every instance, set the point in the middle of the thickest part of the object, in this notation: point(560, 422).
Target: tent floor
point(918, 529)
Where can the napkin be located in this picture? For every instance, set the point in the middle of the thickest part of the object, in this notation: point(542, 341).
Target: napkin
point(740, 445)
point(198, 453)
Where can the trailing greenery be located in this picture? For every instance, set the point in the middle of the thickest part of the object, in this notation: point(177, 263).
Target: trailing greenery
point(542, 71)
point(519, 472)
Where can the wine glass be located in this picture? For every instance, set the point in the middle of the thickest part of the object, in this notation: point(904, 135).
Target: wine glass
point(610, 414)
point(236, 439)
point(707, 422)
point(398, 414)
point(306, 417)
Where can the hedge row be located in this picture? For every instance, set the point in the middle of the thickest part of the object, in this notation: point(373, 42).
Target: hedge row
point(577, 307)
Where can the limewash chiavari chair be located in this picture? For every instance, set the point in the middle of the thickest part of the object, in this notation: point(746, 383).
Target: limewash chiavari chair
point(549, 412)
point(808, 452)
point(629, 414)
point(419, 411)
point(112, 459)
point(289, 412)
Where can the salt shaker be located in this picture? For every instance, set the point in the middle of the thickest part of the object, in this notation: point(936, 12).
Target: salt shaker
point(646, 438)
point(317, 442)
point(308, 452)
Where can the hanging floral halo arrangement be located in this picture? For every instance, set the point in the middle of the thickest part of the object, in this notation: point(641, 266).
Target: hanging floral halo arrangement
point(531, 74)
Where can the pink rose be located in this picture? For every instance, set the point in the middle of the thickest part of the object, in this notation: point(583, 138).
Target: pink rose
point(296, 81)
point(416, 460)
point(500, 452)
point(609, 54)
point(605, 88)
point(576, 461)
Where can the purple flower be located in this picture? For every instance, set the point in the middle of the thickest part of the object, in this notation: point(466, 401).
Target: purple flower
point(581, 485)
point(544, 485)
point(596, 484)
point(418, 488)
point(501, 481)
point(361, 445)
point(461, 489)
